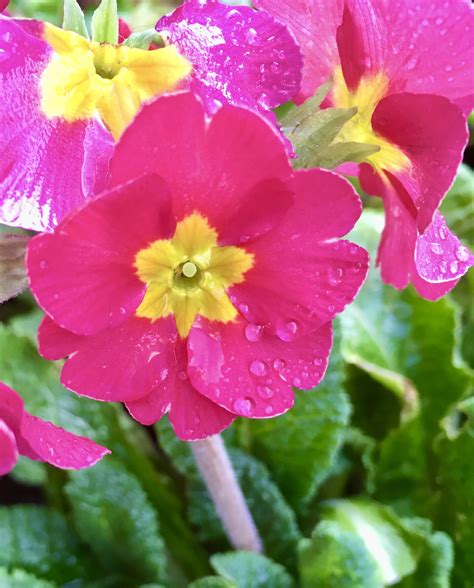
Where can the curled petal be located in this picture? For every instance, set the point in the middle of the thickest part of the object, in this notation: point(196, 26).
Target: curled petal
point(8, 449)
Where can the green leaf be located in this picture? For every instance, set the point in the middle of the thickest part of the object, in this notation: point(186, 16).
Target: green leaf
point(458, 206)
point(13, 278)
point(300, 447)
point(454, 450)
point(20, 579)
point(42, 543)
point(251, 570)
point(339, 153)
point(74, 18)
point(275, 520)
point(398, 338)
point(213, 582)
point(105, 25)
point(384, 536)
point(336, 558)
point(113, 514)
point(141, 40)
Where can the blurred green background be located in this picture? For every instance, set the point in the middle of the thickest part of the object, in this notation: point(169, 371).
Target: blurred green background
point(367, 482)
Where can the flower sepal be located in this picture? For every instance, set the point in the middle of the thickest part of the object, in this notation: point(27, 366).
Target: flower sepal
point(144, 39)
point(74, 19)
point(105, 23)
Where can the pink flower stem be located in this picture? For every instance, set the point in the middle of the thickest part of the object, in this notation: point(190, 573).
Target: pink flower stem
point(216, 469)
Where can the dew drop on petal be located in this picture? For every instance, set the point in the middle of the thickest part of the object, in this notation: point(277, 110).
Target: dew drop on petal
point(296, 382)
point(269, 409)
point(462, 253)
point(279, 365)
point(287, 331)
point(253, 333)
point(453, 267)
point(244, 406)
point(436, 249)
point(258, 368)
point(265, 392)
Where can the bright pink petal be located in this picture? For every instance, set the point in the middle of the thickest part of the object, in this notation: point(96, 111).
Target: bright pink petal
point(124, 363)
point(11, 408)
point(248, 371)
point(56, 343)
point(192, 415)
point(83, 275)
point(439, 255)
point(48, 167)
point(352, 52)
point(59, 447)
point(314, 24)
point(433, 133)
point(239, 56)
point(209, 167)
point(125, 30)
point(320, 275)
point(8, 449)
point(431, 291)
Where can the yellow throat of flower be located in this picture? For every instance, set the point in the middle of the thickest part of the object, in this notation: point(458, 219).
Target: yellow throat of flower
point(188, 275)
point(366, 97)
point(85, 78)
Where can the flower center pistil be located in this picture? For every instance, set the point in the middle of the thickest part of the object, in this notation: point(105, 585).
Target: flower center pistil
point(189, 275)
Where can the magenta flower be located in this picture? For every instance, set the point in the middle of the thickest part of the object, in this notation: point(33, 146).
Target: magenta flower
point(67, 100)
point(202, 284)
point(405, 65)
point(24, 434)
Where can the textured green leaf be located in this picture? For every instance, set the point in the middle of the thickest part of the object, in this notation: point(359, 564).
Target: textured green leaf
point(40, 542)
point(141, 40)
point(385, 538)
point(251, 570)
point(74, 18)
point(21, 579)
point(113, 514)
point(398, 338)
point(455, 449)
point(435, 562)
point(336, 558)
point(458, 206)
point(275, 520)
point(338, 153)
point(105, 25)
point(300, 447)
point(213, 582)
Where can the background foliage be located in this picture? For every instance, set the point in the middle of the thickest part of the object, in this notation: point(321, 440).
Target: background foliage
point(367, 482)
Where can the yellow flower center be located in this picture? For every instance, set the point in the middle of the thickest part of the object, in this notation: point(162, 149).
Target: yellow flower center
point(366, 97)
point(85, 78)
point(189, 274)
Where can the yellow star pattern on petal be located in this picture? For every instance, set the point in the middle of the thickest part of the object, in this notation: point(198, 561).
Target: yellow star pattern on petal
point(189, 274)
point(85, 79)
point(366, 97)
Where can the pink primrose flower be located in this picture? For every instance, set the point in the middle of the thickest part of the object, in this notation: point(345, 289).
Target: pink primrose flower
point(67, 100)
point(24, 434)
point(203, 282)
point(407, 67)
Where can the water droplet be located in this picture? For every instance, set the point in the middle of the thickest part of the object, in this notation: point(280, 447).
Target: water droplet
point(462, 253)
point(275, 67)
point(269, 409)
point(265, 392)
point(442, 233)
point(287, 331)
point(296, 382)
point(279, 365)
point(331, 308)
point(244, 406)
point(448, 68)
point(436, 248)
point(258, 368)
point(43, 264)
point(318, 361)
point(335, 276)
point(453, 267)
point(253, 333)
